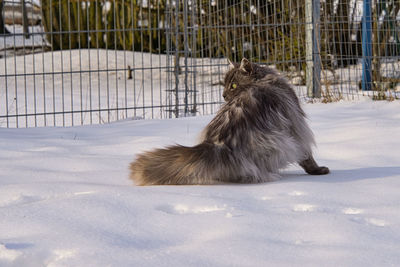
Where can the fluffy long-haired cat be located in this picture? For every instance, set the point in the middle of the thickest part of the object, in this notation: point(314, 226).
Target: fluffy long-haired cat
point(260, 129)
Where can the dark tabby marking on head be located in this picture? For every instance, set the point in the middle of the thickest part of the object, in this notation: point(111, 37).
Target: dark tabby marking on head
point(258, 131)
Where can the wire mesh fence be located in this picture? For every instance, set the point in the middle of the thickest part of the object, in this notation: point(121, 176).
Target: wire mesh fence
point(76, 62)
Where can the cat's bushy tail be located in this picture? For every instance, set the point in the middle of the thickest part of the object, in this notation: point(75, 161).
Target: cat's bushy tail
point(205, 163)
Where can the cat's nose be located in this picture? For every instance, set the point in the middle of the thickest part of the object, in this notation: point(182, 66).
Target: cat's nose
point(224, 95)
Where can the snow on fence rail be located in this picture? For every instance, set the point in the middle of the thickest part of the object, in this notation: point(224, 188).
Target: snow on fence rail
point(84, 62)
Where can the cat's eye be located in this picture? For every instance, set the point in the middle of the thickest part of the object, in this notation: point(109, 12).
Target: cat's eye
point(234, 85)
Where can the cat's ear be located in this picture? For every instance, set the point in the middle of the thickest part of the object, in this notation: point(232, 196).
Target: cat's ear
point(231, 65)
point(246, 66)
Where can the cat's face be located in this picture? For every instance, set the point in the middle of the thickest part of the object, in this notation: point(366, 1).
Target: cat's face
point(238, 78)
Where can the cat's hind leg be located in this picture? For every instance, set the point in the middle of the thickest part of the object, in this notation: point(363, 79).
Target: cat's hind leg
point(311, 167)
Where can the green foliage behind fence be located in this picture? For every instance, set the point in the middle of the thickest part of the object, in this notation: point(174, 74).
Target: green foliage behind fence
point(231, 29)
point(104, 24)
point(266, 31)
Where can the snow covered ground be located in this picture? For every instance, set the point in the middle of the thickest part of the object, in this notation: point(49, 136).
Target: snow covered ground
point(66, 200)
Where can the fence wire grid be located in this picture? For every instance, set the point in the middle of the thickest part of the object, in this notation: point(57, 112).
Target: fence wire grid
point(77, 62)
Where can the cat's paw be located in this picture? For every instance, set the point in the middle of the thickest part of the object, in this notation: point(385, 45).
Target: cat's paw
point(319, 171)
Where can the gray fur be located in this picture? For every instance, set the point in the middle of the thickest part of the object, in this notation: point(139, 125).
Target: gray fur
point(258, 131)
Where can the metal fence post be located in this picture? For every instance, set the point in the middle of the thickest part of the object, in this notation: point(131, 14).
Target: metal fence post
point(185, 53)
point(313, 58)
point(366, 46)
point(25, 19)
point(177, 68)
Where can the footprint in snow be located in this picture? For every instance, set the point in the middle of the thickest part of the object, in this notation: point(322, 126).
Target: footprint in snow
point(376, 222)
point(185, 209)
point(267, 198)
point(368, 221)
point(303, 207)
point(84, 193)
point(296, 193)
point(352, 211)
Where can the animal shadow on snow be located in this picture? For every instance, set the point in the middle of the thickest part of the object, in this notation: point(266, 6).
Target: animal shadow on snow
point(17, 246)
point(340, 176)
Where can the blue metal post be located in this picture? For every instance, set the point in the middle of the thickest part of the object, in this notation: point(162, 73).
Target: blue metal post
point(316, 49)
point(366, 80)
point(313, 41)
